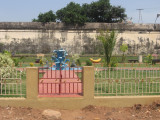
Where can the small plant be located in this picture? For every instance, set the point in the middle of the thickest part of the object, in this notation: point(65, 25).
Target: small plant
point(75, 57)
point(78, 62)
point(43, 61)
point(5, 52)
point(113, 63)
point(31, 64)
point(88, 63)
point(16, 62)
point(97, 74)
point(148, 58)
point(123, 48)
point(22, 59)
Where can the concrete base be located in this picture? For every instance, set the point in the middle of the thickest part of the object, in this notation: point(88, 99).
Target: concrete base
point(78, 103)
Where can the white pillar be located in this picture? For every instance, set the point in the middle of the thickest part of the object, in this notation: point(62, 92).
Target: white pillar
point(140, 59)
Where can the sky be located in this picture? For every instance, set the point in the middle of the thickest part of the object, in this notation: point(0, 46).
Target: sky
point(26, 10)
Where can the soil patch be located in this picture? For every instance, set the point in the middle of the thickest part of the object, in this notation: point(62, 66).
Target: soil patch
point(137, 112)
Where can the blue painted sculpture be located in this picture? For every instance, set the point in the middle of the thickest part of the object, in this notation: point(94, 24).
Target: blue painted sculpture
point(59, 59)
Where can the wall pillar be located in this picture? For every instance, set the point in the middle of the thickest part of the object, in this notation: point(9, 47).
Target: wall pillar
point(32, 83)
point(88, 82)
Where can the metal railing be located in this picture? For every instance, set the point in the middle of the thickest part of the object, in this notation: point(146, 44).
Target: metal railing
point(120, 81)
point(11, 83)
point(57, 82)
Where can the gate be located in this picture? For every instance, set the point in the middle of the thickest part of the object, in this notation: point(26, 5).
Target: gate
point(65, 81)
point(11, 83)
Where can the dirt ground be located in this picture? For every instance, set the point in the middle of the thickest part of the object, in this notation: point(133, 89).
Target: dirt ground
point(137, 112)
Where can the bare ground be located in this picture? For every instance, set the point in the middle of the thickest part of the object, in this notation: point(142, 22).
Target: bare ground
point(137, 112)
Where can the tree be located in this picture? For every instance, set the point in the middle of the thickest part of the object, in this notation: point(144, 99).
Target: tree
point(108, 40)
point(103, 11)
point(123, 48)
point(98, 11)
point(46, 17)
point(117, 14)
point(71, 14)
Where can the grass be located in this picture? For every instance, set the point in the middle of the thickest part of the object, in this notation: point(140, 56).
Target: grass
point(25, 62)
point(120, 82)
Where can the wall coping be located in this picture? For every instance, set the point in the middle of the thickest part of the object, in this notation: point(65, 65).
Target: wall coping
point(124, 97)
point(87, 26)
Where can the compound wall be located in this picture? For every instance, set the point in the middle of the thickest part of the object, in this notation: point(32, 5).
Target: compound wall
point(44, 38)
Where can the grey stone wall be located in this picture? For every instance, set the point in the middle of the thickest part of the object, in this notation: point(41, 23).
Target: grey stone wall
point(44, 38)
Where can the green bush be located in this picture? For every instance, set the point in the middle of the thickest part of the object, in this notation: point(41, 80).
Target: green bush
point(5, 52)
point(148, 59)
point(16, 61)
point(88, 63)
point(43, 61)
point(78, 62)
point(22, 59)
point(75, 57)
point(113, 63)
point(31, 64)
point(6, 65)
point(123, 48)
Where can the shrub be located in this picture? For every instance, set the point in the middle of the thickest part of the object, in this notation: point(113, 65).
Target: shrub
point(5, 52)
point(43, 61)
point(31, 64)
point(113, 63)
point(88, 63)
point(6, 65)
point(78, 62)
point(22, 59)
point(123, 48)
point(75, 57)
point(148, 58)
point(16, 61)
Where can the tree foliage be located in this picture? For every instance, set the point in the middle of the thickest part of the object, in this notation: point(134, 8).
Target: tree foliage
point(98, 11)
point(148, 58)
point(46, 17)
point(71, 14)
point(108, 40)
point(103, 11)
point(117, 14)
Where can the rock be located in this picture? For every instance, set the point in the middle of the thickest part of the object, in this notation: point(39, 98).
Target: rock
point(89, 108)
point(137, 106)
point(51, 114)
